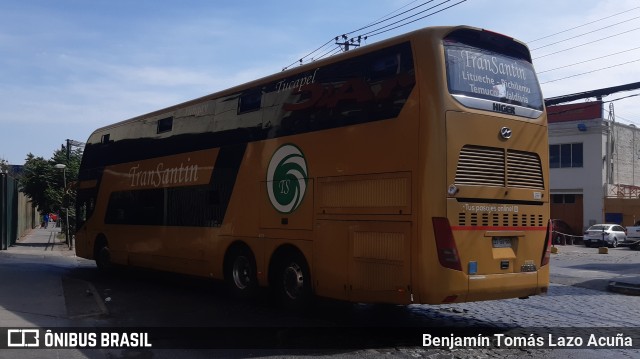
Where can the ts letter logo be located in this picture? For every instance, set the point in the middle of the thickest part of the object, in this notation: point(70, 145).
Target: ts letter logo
point(23, 338)
point(287, 178)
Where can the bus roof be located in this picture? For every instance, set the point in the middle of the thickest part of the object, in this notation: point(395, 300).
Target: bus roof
point(441, 30)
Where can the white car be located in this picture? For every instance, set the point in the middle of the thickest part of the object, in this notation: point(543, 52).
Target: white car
point(605, 234)
point(633, 232)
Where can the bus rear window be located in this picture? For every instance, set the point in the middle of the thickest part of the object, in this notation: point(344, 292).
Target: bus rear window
point(493, 73)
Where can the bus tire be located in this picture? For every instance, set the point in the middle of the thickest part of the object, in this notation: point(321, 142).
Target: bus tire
point(293, 281)
point(240, 272)
point(102, 256)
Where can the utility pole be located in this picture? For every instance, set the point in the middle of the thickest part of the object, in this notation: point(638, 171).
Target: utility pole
point(74, 144)
point(348, 43)
point(63, 167)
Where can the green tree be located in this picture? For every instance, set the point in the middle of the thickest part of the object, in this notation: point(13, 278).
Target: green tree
point(41, 182)
point(4, 165)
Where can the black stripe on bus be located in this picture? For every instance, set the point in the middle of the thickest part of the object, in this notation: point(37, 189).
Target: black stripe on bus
point(372, 87)
point(184, 206)
point(225, 173)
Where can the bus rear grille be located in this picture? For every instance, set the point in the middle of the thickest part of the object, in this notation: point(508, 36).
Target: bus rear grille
point(492, 166)
point(482, 166)
point(500, 220)
point(524, 170)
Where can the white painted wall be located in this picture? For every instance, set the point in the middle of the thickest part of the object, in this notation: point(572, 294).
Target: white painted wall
point(591, 179)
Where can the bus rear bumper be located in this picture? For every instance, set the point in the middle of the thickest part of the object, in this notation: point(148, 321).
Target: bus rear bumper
point(507, 285)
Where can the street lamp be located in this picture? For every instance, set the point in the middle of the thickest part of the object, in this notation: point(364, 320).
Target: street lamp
point(63, 167)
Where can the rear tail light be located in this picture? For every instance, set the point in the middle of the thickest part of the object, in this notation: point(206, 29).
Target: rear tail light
point(446, 245)
point(546, 251)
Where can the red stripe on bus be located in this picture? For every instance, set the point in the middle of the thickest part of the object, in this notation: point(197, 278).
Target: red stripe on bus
point(487, 228)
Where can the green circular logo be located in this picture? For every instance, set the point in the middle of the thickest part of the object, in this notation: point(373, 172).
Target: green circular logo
point(287, 178)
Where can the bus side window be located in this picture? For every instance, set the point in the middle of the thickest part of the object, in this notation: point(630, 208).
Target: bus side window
point(116, 213)
point(385, 67)
point(249, 102)
point(164, 125)
point(214, 197)
point(139, 207)
point(193, 206)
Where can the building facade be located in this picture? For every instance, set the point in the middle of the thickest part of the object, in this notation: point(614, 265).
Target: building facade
point(592, 158)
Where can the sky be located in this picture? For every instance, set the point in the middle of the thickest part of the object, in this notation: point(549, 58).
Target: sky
point(68, 67)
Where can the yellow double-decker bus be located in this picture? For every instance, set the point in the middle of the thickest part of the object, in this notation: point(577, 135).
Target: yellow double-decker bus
point(413, 170)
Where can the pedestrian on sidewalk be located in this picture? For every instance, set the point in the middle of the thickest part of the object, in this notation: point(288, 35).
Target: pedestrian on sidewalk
point(45, 223)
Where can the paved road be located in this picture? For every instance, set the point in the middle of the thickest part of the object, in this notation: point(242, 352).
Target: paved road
point(585, 267)
point(69, 292)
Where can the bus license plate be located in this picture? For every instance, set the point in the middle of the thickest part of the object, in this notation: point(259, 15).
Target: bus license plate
point(501, 242)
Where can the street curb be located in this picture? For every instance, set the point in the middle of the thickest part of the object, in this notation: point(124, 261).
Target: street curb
point(82, 299)
point(624, 288)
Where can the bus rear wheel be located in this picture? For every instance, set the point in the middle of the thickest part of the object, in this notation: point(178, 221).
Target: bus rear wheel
point(293, 282)
point(103, 258)
point(240, 273)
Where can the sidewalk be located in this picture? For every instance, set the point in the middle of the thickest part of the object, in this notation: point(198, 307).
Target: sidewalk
point(39, 285)
point(41, 241)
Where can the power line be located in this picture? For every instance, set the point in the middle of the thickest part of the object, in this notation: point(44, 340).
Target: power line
point(392, 17)
point(625, 97)
point(586, 33)
point(330, 52)
point(617, 114)
point(582, 62)
point(589, 72)
point(307, 55)
point(378, 32)
point(355, 40)
point(394, 11)
point(587, 43)
point(626, 119)
point(585, 24)
point(381, 20)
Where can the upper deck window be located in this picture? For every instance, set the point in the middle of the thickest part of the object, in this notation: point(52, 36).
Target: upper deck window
point(249, 102)
point(492, 72)
point(165, 125)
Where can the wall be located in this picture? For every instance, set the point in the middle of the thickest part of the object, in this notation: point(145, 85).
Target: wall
point(625, 159)
point(611, 161)
point(28, 217)
point(588, 180)
point(630, 209)
point(17, 215)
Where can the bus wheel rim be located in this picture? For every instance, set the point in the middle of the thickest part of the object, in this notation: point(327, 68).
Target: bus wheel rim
point(293, 281)
point(241, 272)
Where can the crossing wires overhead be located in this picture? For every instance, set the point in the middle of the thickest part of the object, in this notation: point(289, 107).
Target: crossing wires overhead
point(606, 46)
point(392, 21)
